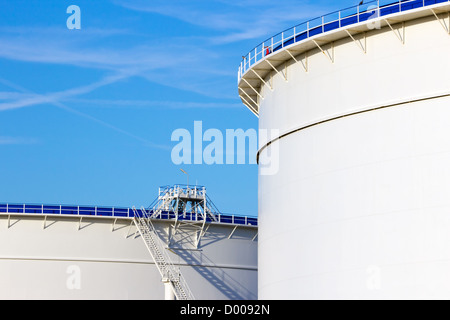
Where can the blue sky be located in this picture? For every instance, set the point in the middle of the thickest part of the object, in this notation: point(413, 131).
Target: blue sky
point(86, 116)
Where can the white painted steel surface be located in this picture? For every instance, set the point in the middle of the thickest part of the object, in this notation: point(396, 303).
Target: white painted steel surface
point(360, 206)
point(105, 258)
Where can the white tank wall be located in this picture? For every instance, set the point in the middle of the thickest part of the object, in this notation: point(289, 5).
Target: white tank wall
point(38, 263)
point(360, 205)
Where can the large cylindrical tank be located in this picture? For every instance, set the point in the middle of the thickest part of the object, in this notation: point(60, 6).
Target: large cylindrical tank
point(359, 203)
point(76, 256)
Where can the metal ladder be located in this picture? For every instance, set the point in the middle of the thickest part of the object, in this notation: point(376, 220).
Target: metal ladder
point(160, 256)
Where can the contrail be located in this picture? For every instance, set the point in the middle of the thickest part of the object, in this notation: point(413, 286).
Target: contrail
point(53, 99)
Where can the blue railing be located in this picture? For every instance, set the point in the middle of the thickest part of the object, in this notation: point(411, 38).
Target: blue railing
point(118, 212)
point(332, 21)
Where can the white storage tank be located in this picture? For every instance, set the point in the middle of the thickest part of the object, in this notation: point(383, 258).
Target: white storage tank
point(72, 252)
point(358, 202)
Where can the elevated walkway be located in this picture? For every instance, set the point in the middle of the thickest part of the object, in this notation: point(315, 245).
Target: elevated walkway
point(294, 43)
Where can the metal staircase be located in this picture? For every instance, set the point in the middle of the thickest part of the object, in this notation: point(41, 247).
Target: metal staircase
point(155, 246)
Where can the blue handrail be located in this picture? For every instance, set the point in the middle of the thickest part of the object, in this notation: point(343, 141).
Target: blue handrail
point(332, 21)
point(118, 212)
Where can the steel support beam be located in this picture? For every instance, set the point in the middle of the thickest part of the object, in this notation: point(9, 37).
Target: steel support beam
point(358, 42)
point(300, 62)
point(400, 35)
point(284, 74)
point(256, 103)
point(442, 22)
point(232, 232)
point(326, 52)
point(256, 91)
point(248, 105)
point(265, 83)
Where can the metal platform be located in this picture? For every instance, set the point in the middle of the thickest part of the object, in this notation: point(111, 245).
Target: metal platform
point(193, 194)
point(294, 43)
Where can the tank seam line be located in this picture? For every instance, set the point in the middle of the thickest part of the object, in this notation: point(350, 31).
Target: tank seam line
point(345, 116)
point(124, 261)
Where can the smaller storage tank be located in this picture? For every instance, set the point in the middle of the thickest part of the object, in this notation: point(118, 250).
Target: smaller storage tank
point(78, 252)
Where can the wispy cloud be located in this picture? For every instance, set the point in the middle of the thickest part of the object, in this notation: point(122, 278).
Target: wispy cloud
point(194, 63)
point(12, 95)
point(30, 47)
point(170, 64)
point(139, 104)
point(26, 99)
point(235, 20)
point(179, 64)
point(53, 100)
point(17, 140)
